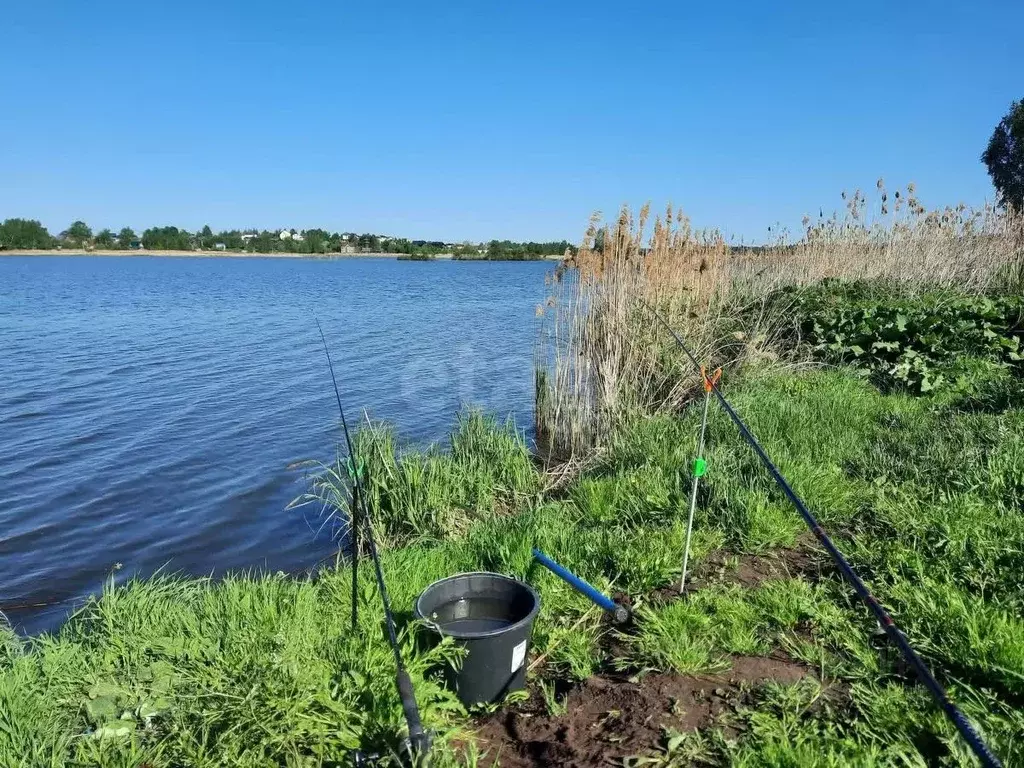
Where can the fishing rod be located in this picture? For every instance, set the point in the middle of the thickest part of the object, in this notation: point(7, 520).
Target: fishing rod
point(895, 634)
point(620, 614)
point(418, 743)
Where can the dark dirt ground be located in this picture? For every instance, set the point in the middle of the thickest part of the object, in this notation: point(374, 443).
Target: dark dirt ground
point(723, 567)
point(610, 717)
point(614, 715)
point(751, 570)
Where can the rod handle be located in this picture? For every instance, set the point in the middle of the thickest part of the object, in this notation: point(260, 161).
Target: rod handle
point(419, 740)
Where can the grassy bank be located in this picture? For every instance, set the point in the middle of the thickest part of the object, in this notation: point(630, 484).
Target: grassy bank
point(924, 495)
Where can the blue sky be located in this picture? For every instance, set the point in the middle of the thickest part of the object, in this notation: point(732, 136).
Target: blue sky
point(462, 120)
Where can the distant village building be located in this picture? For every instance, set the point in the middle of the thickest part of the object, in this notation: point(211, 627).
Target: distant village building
point(297, 237)
point(220, 247)
point(286, 234)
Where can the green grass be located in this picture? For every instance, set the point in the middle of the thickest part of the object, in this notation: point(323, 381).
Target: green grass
point(437, 494)
point(925, 496)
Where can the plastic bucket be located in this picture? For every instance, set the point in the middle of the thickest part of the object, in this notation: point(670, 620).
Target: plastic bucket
point(491, 616)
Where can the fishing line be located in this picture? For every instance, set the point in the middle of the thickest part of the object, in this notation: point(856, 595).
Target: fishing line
point(419, 741)
point(895, 634)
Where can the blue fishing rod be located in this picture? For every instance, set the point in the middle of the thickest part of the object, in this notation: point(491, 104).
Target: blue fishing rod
point(620, 614)
point(895, 634)
point(418, 743)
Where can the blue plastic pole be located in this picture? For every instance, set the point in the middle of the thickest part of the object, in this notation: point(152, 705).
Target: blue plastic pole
point(619, 612)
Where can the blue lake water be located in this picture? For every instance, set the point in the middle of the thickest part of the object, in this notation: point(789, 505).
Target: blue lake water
point(150, 408)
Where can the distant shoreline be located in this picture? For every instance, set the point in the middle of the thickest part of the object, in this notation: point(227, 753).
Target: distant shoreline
point(197, 254)
point(241, 255)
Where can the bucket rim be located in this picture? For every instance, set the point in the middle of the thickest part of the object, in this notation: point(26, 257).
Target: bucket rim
point(459, 635)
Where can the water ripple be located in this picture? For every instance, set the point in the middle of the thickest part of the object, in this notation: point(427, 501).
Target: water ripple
point(151, 410)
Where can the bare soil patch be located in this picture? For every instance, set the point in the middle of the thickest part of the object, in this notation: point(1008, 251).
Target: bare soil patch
point(610, 717)
point(748, 570)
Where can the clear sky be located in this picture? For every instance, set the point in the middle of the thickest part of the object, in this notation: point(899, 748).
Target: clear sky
point(472, 120)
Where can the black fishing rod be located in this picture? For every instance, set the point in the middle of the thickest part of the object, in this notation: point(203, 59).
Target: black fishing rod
point(895, 634)
point(418, 742)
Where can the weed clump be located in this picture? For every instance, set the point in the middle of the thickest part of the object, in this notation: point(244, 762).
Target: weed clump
point(434, 495)
point(932, 342)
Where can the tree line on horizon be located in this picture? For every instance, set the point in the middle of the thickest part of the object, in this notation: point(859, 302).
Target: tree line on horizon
point(29, 234)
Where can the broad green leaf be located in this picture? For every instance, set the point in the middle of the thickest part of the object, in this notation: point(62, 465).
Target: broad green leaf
point(101, 708)
point(105, 689)
point(115, 729)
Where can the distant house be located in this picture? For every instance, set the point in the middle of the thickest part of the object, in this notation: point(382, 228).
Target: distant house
point(249, 236)
point(297, 237)
point(286, 234)
point(220, 247)
point(347, 248)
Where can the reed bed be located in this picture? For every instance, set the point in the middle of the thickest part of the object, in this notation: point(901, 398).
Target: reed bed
point(602, 356)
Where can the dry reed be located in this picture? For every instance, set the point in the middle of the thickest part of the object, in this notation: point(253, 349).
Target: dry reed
point(601, 356)
point(896, 240)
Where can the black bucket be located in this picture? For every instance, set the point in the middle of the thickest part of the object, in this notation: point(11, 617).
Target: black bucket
point(491, 616)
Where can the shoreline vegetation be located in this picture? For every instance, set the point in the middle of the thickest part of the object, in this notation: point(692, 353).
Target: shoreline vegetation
point(879, 358)
point(28, 236)
point(273, 255)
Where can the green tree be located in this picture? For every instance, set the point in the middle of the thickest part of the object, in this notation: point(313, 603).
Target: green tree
point(315, 241)
point(506, 249)
point(126, 237)
point(467, 250)
point(368, 242)
point(104, 239)
point(24, 233)
point(79, 232)
point(264, 242)
point(204, 238)
point(231, 238)
point(1004, 157)
point(167, 239)
point(400, 245)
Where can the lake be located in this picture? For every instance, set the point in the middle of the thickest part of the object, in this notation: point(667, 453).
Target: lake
point(151, 408)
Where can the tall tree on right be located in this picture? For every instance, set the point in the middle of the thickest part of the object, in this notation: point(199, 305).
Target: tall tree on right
point(1004, 157)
